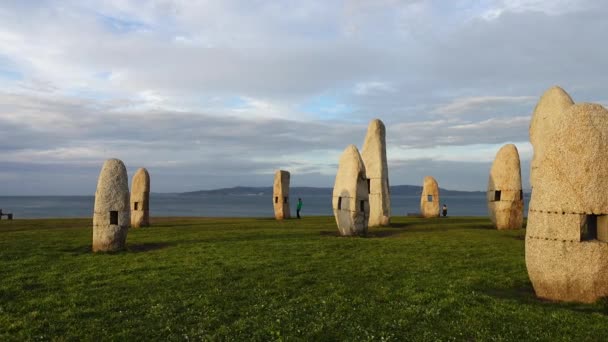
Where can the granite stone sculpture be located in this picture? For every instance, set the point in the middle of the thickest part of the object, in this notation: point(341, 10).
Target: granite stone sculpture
point(280, 195)
point(505, 196)
point(350, 201)
point(111, 213)
point(376, 168)
point(429, 200)
point(567, 229)
point(140, 199)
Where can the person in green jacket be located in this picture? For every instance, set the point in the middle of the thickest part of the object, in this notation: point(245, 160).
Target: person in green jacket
point(299, 207)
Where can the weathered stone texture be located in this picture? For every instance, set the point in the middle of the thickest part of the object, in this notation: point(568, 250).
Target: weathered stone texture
point(111, 203)
point(568, 178)
point(140, 199)
point(568, 270)
point(505, 196)
point(429, 188)
point(376, 168)
point(280, 195)
point(350, 201)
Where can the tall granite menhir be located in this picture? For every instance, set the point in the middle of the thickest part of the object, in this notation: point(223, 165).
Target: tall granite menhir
point(567, 230)
point(505, 196)
point(280, 195)
point(140, 199)
point(376, 168)
point(429, 200)
point(350, 201)
point(111, 213)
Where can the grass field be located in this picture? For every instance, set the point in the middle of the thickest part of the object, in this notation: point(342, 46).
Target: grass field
point(259, 279)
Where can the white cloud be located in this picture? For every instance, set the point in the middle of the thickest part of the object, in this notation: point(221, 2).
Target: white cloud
point(550, 7)
point(467, 104)
point(365, 88)
point(470, 153)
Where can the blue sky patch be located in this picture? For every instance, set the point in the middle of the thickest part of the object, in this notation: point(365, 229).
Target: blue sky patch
point(235, 102)
point(8, 69)
point(119, 25)
point(326, 107)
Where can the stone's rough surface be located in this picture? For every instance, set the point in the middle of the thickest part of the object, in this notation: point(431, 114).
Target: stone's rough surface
point(566, 248)
point(350, 199)
point(429, 200)
point(376, 168)
point(140, 199)
point(505, 196)
point(111, 213)
point(280, 195)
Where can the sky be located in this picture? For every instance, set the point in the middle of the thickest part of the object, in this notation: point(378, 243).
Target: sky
point(210, 94)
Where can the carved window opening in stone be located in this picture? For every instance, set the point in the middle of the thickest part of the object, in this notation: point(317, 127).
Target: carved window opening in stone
point(589, 229)
point(369, 186)
point(135, 205)
point(276, 199)
point(497, 194)
point(285, 199)
point(339, 203)
point(362, 205)
point(521, 194)
point(595, 228)
point(113, 217)
point(429, 198)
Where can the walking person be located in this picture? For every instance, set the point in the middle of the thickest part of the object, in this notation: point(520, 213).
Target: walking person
point(445, 210)
point(299, 207)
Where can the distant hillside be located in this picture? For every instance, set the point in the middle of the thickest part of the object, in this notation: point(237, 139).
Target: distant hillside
point(304, 191)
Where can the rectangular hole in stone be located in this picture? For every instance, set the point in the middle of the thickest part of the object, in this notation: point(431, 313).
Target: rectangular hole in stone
point(339, 203)
point(521, 195)
point(429, 198)
point(135, 205)
point(369, 186)
point(497, 194)
point(285, 199)
point(589, 231)
point(362, 205)
point(276, 199)
point(113, 217)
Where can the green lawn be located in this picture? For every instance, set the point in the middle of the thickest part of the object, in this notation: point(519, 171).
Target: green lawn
point(259, 279)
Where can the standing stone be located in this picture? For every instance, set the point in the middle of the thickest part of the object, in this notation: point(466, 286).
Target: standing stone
point(567, 230)
point(505, 195)
point(376, 168)
point(280, 195)
point(111, 213)
point(350, 200)
point(429, 200)
point(140, 199)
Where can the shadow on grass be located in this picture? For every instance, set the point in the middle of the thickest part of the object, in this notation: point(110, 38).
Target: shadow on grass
point(400, 225)
point(370, 235)
point(431, 229)
point(131, 248)
point(481, 226)
point(78, 250)
point(524, 294)
point(147, 247)
point(384, 233)
point(267, 219)
point(443, 224)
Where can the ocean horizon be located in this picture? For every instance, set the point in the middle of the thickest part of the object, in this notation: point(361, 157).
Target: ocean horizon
point(178, 205)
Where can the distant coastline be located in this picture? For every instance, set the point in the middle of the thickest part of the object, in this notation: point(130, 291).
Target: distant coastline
point(408, 190)
point(238, 202)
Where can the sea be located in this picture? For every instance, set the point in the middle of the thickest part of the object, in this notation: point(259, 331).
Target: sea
point(162, 205)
